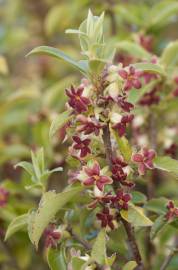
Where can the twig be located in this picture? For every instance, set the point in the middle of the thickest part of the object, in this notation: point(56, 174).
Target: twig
point(128, 228)
point(83, 242)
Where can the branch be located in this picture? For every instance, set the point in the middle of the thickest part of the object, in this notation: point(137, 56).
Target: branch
point(128, 228)
point(83, 242)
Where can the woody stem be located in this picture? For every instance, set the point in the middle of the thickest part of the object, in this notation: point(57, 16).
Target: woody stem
point(128, 227)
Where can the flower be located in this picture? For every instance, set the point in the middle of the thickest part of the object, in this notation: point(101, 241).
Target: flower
point(52, 236)
point(119, 172)
point(172, 211)
point(78, 102)
point(150, 98)
point(131, 78)
point(122, 124)
point(144, 160)
point(125, 105)
point(121, 199)
point(88, 125)
point(81, 145)
point(4, 195)
point(94, 177)
point(106, 218)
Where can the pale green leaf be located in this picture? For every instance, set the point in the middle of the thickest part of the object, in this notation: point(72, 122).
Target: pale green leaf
point(59, 55)
point(130, 265)
point(98, 253)
point(49, 205)
point(56, 259)
point(158, 224)
point(59, 122)
point(26, 166)
point(123, 146)
point(166, 163)
point(149, 67)
point(170, 55)
point(133, 49)
point(17, 224)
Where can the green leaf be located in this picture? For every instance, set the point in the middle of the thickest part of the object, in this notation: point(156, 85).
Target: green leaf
point(157, 205)
point(98, 253)
point(159, 223)
point(153, 68)
point(166, 164)
point(77, 263)
point(59, 55)
point(138, 197)
point(135, 95)
point(17, 224)
point(124, 146)
point(58, 123)
point(130, 265)
point(135, 215)
point(133, 49)
point(161, 12)
point(56, 259)
point(49, 205)
point(27, 166)
point(170, 55)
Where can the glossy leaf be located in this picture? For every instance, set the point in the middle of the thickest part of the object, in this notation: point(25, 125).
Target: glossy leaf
point(159, 223)
point(98, 253)
point(123, 146)
point(153, 68)
point(59, 122)
point(56, 259)
point(17, 224)
point(166, 163)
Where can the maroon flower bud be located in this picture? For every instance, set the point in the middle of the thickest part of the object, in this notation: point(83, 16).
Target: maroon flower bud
point(88, 125)
point(52, 236)
point(82, 145)
point(131, 77)
point(171, 150)
point(4, 195)
point(95, 177)
point(106, 218)
point(144, 160)
point(172, 211)
point(126, 106)
point(150, 98)
point(78, 102)
point(121, 199)
point(121, 126)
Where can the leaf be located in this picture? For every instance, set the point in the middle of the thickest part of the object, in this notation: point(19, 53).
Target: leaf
point(98, 253)
point(124, 146)
point(27, 166)
point(153, 68)
point(17, 224)
point(135, 215)
point(161, 12)
point(166, 163)
point(135, 95)
point(77, 263)
point(138, 197)
point(159, 223)
point(59, 55)
point(130, 265)
point(58, 123)
point(170, 55)
point(56, 259)
point(49, 205)
point(133, 49)
point(157, 205)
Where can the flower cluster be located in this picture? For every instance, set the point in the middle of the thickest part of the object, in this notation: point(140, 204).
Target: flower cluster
point(172, 211)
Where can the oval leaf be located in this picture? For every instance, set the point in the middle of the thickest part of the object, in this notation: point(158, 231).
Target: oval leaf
point(133, 49)
point(157, 226)
point(58, 123)
point(98, 253)
point(153, 68)
point(17, 224)
point(49, 205)
point(166, 164)
point(130, 265)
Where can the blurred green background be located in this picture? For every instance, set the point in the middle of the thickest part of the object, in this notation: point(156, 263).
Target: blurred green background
point(32, 91)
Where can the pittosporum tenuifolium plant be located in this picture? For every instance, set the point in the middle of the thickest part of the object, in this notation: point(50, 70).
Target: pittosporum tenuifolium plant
point(106, 205)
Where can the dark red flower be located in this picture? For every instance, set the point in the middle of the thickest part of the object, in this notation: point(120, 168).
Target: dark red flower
point(4, 195)
point(125, 105)
point(88, 125)
point(150, 98)
point(121, 199)
point(121, 126)
point(172, 211)
point(131, 77)
point(82, 145)
point(106, 218)
point(171, 150)
point(78, 102)
point(95, 177)
point(144, 160)
point(52, 236)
